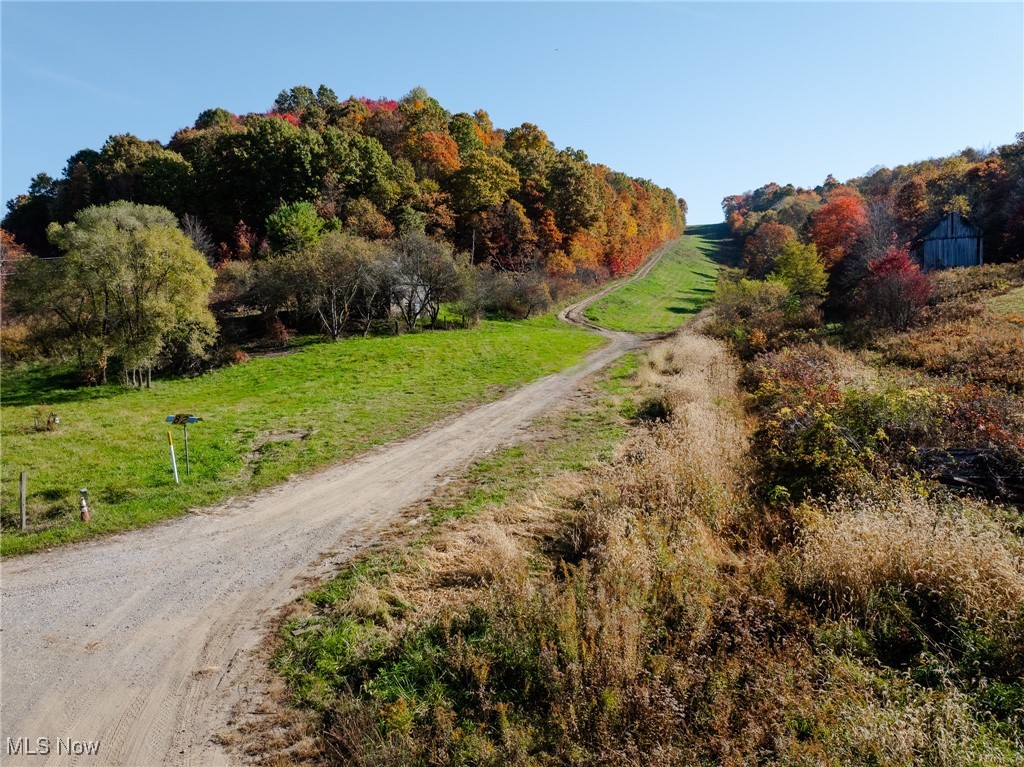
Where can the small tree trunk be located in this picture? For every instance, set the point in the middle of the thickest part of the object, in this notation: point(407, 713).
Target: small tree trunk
point(149, 377)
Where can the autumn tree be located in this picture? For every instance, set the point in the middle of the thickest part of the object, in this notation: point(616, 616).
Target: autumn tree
point(532, 154)
point(895, 290)
point(10, 254)
point(801, 269)
point(911, 205)
point(362, 217)
point(507, 236)
point(464, 130)
point(129, 286)
point(576, 198)
point(483, 182)
point(837, 227)
point(763, 247)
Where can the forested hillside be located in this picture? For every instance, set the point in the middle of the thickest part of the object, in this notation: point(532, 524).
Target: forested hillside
point(987, 187)
point(866, 225)
point(330, 213)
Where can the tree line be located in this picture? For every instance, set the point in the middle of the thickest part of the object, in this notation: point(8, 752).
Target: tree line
point(851, 241)
point(377, 168)
point(337, 214)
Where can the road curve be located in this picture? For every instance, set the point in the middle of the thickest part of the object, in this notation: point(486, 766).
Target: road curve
point(135, 642)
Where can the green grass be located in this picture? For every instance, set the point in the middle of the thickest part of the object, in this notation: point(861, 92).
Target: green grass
point(1009, 303)
point(264, 421)
point(674, 290)
point(330, 646)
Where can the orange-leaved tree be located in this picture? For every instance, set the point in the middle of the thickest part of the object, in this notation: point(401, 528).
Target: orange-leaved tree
point(838, 225)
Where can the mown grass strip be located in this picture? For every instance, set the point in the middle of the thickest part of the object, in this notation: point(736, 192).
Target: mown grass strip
point(264, 421)
point(675, 289)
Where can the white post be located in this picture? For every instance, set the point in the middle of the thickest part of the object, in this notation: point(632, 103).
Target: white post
point(174, 463)
point(23, 525)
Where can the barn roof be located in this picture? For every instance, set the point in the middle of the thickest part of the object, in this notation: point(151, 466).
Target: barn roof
point(950, 221)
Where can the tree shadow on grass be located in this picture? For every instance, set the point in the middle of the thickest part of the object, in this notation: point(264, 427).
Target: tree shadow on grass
point(50, 384)
point(718, 244)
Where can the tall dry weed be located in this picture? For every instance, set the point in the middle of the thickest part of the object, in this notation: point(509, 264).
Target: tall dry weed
point(930, 728)
point(961, 556)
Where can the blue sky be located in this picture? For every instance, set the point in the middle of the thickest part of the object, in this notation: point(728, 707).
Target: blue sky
point(710, 99)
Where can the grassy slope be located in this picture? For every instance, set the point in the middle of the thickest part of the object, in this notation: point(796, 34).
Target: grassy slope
point(673, 291)
point(576, 438)
point(1009, 303)
point(265, 420)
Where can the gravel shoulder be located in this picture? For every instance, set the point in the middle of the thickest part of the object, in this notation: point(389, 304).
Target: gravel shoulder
point(140, 641)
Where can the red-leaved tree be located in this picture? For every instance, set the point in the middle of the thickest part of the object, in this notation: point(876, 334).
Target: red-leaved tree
point(895, 290)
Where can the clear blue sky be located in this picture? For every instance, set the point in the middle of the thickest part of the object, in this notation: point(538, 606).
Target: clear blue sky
point(710, 99)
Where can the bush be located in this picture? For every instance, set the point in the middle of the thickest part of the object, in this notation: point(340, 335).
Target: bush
point(760, 316)
point(819, 435)
point(895, 290)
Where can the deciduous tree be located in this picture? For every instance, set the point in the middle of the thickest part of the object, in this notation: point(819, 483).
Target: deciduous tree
point(764, 246)
point(483, 181)
point(129, 286)
point(837, 226)
point(426, 277)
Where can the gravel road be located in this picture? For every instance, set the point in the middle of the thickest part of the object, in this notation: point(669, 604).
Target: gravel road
point(136, 641)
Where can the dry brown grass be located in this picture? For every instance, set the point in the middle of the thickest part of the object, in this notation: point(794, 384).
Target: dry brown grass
point(988, 348)
point(960, 335)
point(962, 558)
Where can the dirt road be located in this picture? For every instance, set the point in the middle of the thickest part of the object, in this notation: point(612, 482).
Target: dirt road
point(134, 642)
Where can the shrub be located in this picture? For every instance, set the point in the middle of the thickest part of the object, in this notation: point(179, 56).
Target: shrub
point(895, 290)
point(760, 316)
point(819, 435)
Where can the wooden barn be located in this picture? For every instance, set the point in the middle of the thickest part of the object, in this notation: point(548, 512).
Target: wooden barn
point(953, 241)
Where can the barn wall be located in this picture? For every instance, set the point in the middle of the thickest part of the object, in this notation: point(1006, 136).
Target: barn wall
point(948, 252)
point(952, 242)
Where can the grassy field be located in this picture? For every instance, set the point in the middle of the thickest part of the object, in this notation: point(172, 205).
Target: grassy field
point(263, 421)
point(575, 439)
point(673, 291)
point(1009, 303)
